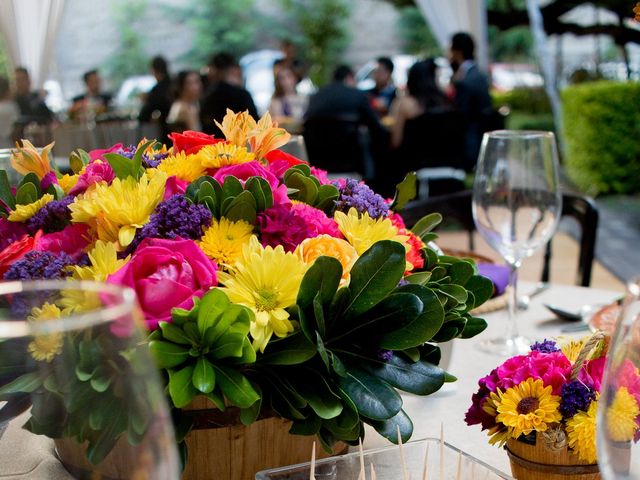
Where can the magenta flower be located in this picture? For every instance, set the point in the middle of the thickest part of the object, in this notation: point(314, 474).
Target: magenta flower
point(174, 186)
point(244, 171)
point(592, 372)
point(321, 175)
point(279, 225)
point(10, 232)
point(99, 153)
point(73, 241)
point(94, 172)
point(316, 220)
point(48, 180)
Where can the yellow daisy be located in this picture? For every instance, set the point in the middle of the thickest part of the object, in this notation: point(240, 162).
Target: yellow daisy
point(117, 210)
point(103, 258)
point(22, 213)
point(224, 240)
point(45, 347)
point(581, 432)
point(621, 416)
point(528, 406)
point(183, 166)
point(222, 154)
point(267, 281)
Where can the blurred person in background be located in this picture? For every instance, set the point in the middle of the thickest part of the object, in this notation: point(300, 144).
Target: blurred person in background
point(290, 60)
point(382, 95)
point(93, 102)
point(185, 109)
point(157, 102)
point(31, 104)
point(9, 115)
point(471, 93)
point(286, 104)
point(225, 93)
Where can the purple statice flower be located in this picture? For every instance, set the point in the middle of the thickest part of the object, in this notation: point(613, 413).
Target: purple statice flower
point(152, 161)
point(359, 196)
point(39, 265)
point(575, 396)
point(53, 217)
point(546, 346)
point(384, 355)
point(173, 218)
point(128, 152)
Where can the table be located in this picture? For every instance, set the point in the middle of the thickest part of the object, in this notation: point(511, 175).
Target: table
point(27, 456)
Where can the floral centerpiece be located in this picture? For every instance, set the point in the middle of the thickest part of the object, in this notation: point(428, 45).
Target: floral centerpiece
point(265, 286)
point(549, 398)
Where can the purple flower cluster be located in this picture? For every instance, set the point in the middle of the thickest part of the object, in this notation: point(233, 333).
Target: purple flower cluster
point(53, 217)
point(575, 396)
point(173, 218)
point(359, 196)
point(39, 265)
point(546, 346)
point(152, 161)
point(128, 152)
point(384, 355)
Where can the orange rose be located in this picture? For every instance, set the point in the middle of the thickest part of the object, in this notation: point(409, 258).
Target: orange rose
point(326, 245)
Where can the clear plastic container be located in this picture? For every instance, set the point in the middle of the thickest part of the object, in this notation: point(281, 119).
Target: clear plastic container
point(386, 462)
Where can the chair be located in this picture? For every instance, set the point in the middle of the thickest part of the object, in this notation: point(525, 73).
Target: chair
point(457, 206)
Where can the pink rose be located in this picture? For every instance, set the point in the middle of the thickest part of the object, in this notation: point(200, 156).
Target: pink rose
point(244, 171)
point(166, 274)
point(95, 172)
point(99, 154)
point(174, 186)
point(72, 240)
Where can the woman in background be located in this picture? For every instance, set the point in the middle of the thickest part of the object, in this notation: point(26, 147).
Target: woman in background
point(287, 105)
point(185, 110)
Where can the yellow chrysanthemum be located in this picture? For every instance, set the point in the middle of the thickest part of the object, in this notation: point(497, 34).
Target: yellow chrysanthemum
point(266, 280)
point(67, 182)
point(22, 213)
point(26, 159)
point(362, 231)
point(581, 433)
point(224, 240)
point(45, 347)
point(103, 258)
point(117, 210)
point(183, 166)
point(621, 416)
point(528, 406)
point(326, 245)
point(572, 349)
point(222, 154)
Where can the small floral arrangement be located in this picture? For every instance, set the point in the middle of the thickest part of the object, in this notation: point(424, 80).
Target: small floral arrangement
point(552, 394)
point(265, 286)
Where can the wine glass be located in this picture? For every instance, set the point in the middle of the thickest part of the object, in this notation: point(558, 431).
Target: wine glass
point(618, 406)
point(75, 367)
point(516, 207)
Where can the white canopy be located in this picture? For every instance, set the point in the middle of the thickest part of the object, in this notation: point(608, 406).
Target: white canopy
point(29, 28)
point(446, 17)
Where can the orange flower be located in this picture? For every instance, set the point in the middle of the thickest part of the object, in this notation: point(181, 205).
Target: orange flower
point(237, 127)
point(267, 137)
point(636, 10)
point(26, 159)
point(326, 245)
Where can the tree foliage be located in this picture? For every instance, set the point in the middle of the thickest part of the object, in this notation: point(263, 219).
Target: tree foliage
point(5, 64)
point(416, 36)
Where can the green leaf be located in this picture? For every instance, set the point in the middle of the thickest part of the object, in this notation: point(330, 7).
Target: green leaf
point(322, 277)
point(181, 387)
point(482, 289)
point(345, 426)
point(76, 161)
point(231, 187)
point(243, 207)
point(420, 278)
point(473, 327)
point(173, 333)
point(308, 426)
point(212, 305)
point(122, 166)
point(307, 189)
point(136, 162)
point(461, 272)
point(228, 345)
point(107, 438)
point(372, 397)
point(455, 292)
point(314, 389)
point(168, 355)
point(426, 224)
point(406, 191)
point(235, 386)
point(250, 414)
point(5, 190)
point(26, 194)
point(389, 428)
point(204, 378)
point(290, 350)
point(34, 180)
point(420, 378)
point(374, 275)
point(26, 383)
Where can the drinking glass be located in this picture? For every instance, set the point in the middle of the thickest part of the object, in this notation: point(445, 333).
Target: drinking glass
point(296, 147)
point(516, 207)
point(618, 414)
point(75, 367)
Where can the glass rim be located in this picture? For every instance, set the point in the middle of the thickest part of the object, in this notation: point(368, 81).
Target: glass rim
point(125, 301)
point(526, 134)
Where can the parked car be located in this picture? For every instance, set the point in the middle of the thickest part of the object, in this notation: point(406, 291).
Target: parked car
point(507, 76)
point(401, 66)
point(127, 99)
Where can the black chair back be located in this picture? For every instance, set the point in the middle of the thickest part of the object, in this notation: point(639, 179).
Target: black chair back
point(335, 144)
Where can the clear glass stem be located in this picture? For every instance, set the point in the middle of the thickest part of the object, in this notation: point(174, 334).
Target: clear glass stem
point(512, 302)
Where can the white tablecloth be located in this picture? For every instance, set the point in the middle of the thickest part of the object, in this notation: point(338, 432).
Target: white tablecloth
point(27, 456)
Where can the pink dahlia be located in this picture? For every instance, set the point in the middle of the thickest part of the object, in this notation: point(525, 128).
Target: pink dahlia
point(316, 220)
point(279, 225)
point(95, 172)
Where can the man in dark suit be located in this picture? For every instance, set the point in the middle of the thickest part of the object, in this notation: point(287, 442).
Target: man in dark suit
point(31, 104)
point(158, 101)
point(471, 94)
point(382, 95)
point(93, 101)
point(225, 92)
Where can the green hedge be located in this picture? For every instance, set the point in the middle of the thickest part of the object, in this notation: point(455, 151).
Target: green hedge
point(523, 100)
point(602, 136)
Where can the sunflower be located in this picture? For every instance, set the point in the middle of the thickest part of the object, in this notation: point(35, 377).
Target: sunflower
point(267, 281)
point(184, 167)
point(45, 347)
point(117, 210)
point(528, 406)
point(103, 258)
point(581, 432)
point(223, 240)
point(22, 213)
point(621, 416)
point(222, 154)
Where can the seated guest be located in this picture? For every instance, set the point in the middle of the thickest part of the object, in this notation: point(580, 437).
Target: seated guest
point(226, 93)
point(423, 94)
point(93, 102)
point(31, 104)
point(185, 110)
point(286, 103)
point(382, 95)
point(158, 101)
point(8, 115)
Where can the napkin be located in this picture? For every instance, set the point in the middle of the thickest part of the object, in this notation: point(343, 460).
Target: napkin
point(498, 274)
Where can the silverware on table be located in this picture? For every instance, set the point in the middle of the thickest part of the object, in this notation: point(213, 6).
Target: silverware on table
point(525, 300)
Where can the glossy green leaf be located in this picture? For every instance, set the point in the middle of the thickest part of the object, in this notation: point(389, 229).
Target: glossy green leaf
point(372, 397)
point(314, 389)
point(473, 327)
point(34, 180)
point(26, 194)
point(173, 333)
point(456, 292)
point(482, 289)
point(77, 161)
point(420, 378)
point(322, 277)
point(228, 345)
point(235, 386)
point(389, 428)
point(181, 389)
point(308, 426)
point(136, 161)
point(122, 166)
point(420, 278)
point(204, 378)
point(212, 305)
point(27, 383)
point(250, 414)
point(168, 355)
point(5, 190)
point(461, 272)
point(406, 191)
point(107, 438)
point(242, 207)
point(290, 350)
point(231, 187)
point(426, 224)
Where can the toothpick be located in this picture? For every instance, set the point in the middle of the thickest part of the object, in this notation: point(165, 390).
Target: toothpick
point(459, 466)
point(373, 473)
point(362, 475)
point(426, 464)
point(473, 469)
point(405, 474)
point(441, 451)
point(312, 469)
